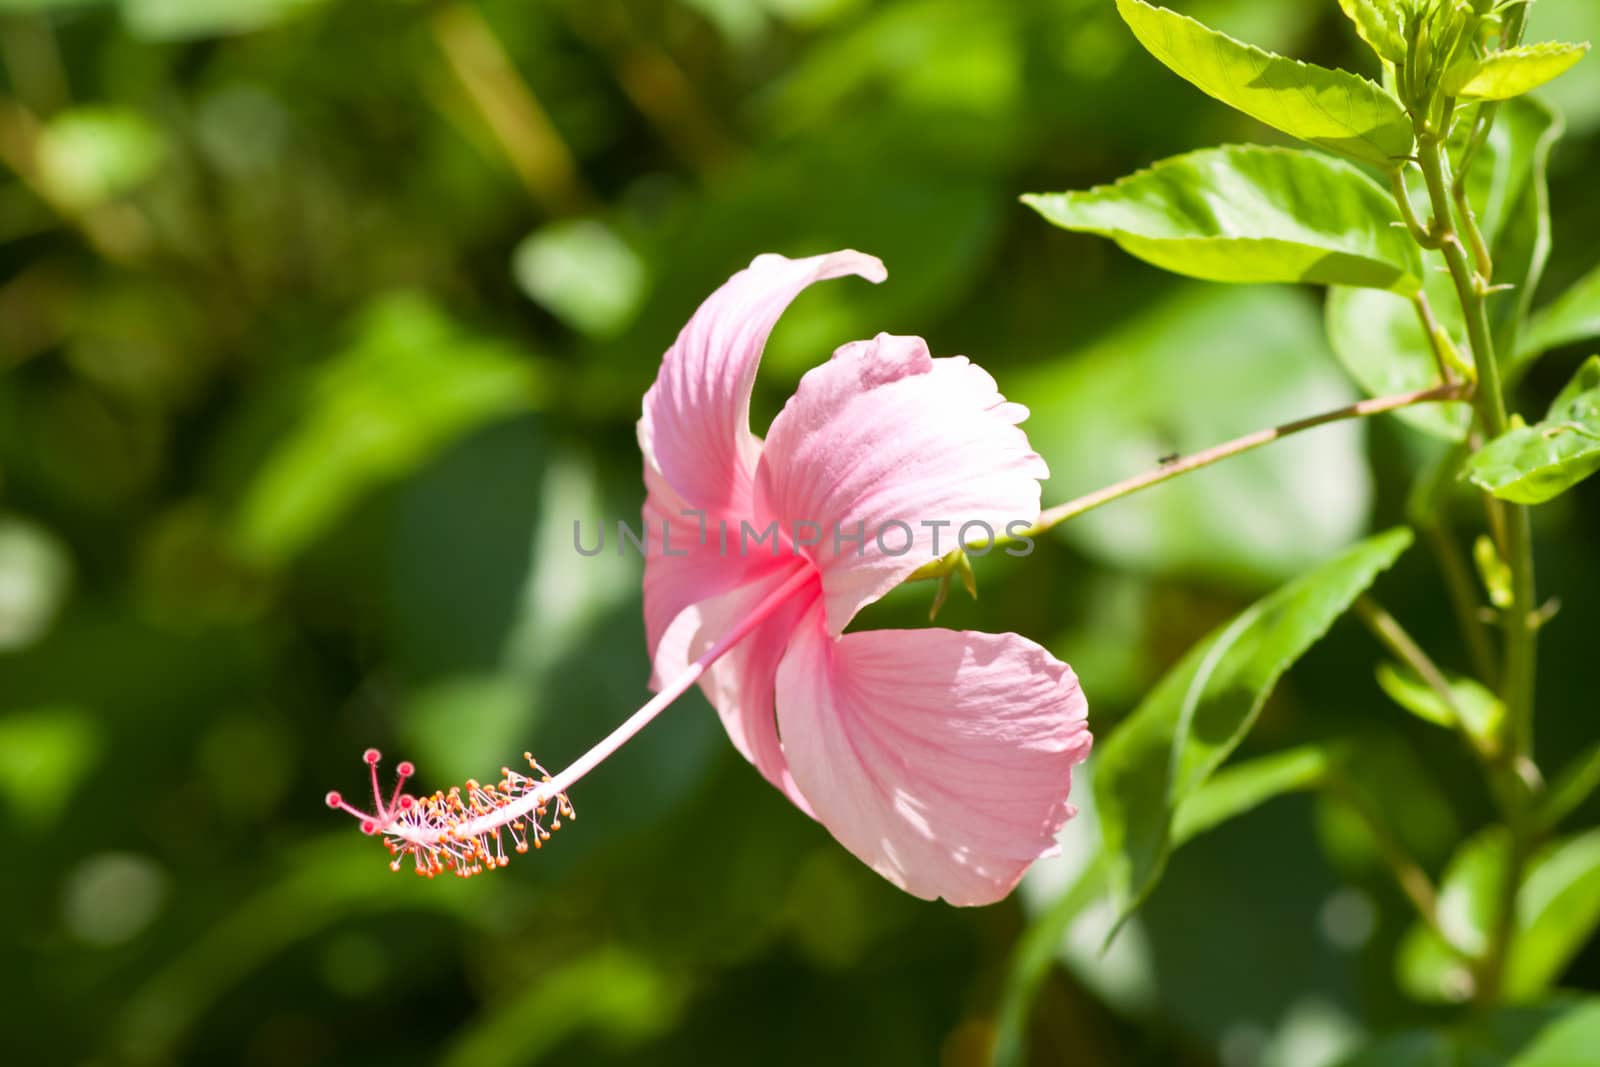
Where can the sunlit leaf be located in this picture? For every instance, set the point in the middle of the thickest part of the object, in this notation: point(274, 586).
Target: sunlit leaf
point(1332, 108)
point(1558, 909)
point(1250, 214)
point(1513, 71)
point(1469, 890)
point(1239, 789)
point(1586, 380)
point(1533, 464)
point(1202, 709)
point(1481, 712)
point(1572, 316)
point(1378, 23)
point(1439, 969)
point(1557, 912)
point(1576, 93)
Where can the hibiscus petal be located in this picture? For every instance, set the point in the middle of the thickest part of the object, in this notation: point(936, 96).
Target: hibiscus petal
point(740, 685)
point(887, 442)
point(686, 561)
point(695, 428)
point(941, 759)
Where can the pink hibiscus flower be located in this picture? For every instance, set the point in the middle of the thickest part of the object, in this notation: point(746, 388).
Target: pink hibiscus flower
point(942, 759)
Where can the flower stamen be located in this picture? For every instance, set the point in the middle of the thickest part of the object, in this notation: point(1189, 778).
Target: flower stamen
point(459, 830)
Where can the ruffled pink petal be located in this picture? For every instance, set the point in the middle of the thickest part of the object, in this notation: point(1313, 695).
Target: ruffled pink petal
point(695, 429)
point(740, 685)
point(941, 759)
point(887, 441)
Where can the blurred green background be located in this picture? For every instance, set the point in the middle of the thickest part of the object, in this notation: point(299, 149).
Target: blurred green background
point(321, 321)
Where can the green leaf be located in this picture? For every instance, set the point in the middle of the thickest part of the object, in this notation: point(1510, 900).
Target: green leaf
point(1030, 961)
point(1439, 969)
point(1573, 316)
point(1470, 887)
point(1513, 71)
point(1557, 912)
point(1533, 464)
point(1481, 712)
point(1250, 214)
point(1200, 711)
point(1237, 790)
point(1331, 108)
point(1586, 380)
point(1429, 970)
point(1379, 25)
point(1576, 782)
point(1558, 908)
point(1234, 791)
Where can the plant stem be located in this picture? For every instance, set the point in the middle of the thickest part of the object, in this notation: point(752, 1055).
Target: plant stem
point(1410, 876)
point(1437, 338)
point(1420, 233)
point(1404, 647)
point(1059, 514)
point(1167, 471)
point(1458, 581)
point(1490, 400)
point(1519, 622)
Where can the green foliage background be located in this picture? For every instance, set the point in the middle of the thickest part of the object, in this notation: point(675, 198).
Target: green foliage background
point(321, 321)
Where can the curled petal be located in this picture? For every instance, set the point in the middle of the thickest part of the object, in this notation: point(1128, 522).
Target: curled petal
point(941, 759)
point(696, 424)
point(903, 450)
